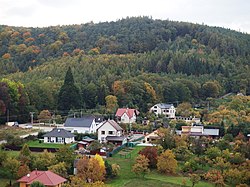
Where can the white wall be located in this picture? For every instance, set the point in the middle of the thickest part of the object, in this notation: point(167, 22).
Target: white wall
point(53, 140)
point(106, 128)
point(170, 112)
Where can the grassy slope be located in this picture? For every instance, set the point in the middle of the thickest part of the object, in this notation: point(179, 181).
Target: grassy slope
point(129, 179)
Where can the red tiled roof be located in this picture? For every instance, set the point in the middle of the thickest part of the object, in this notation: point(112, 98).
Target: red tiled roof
point(129, 112)
point(47, 178)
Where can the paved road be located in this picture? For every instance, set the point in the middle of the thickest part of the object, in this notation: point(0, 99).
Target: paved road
point(40, 127)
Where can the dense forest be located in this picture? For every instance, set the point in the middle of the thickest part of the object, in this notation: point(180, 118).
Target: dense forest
point(139, 61)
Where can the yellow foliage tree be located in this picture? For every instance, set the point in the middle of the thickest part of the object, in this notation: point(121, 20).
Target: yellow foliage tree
point(111, 103)
point(166, 162)
point(100, 160)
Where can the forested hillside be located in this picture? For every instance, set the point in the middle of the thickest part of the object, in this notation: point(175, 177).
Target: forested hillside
point(139, 60)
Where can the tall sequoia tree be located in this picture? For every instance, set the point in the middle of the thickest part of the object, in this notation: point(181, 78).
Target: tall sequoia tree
point(69, 95)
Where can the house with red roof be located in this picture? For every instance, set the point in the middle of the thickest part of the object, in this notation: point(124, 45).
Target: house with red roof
point(47, 178)
point(126, 115)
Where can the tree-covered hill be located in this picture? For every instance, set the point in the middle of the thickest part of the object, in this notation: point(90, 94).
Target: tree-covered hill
point(22, 48)
point(140, 61)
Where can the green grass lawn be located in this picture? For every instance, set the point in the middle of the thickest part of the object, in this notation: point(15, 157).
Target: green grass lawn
point(128, 179)
point(43, 145)
point(12, 153)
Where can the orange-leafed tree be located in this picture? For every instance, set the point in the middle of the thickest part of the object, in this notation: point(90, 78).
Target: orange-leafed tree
point(141, 165)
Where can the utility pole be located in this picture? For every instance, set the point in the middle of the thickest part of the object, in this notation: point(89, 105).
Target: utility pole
point(31, 117)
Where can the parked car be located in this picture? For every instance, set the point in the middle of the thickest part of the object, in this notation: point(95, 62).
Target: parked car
point(28, 126)
point(15, 124)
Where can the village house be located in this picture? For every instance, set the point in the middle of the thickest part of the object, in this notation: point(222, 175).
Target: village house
point(151, 137)
point(126, 115)
point(190, 119)
point(59, 135)
point(47, 178)
point(110, 131)
point(198, 130)
point(167, 110)
point(85, 124)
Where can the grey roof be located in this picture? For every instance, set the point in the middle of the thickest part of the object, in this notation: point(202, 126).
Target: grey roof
point(115, 138)
point(87, 139)
point(113, 123)
point(164, 105)
point(58, 132)
point(211, 132)
point(79, 122)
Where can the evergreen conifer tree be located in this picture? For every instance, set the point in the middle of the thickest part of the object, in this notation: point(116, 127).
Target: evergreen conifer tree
point(69, 95)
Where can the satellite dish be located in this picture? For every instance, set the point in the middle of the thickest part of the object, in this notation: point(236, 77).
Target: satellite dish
point(28, 175)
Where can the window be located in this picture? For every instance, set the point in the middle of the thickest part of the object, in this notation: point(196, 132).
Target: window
point(111, 132)
point(155, 106)
point(60, 140)
point(102, 132)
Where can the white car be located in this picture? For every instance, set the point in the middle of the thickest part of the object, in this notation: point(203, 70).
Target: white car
point(28, 126)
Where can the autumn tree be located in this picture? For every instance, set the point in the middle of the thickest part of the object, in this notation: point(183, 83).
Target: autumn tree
point(59, 168)
point(213, 152)
point(25, 154)
point(115, 169)
point(44, 160)
point(141, 165)
point(111, 103)
point(194, 178)
point(211, 89)
point(82, 168)
point(166, 162)
point(23, 170)
point(69, 95)
point(166, 139)
point(215, 177)
point(11, 164)
point(44, 116)
point(151, 154)
point(66, 154)
point(100, 160)
point(78, 182)
point(184, 109)
point(234, 176)
point(96, 172)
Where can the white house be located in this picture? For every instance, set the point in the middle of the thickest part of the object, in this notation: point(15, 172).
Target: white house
point(110, 131)
point(126, 115)
point(58, 135)
point(152, 137)
point(190, 119)
point(164, 109)
point(199, 130)
point(81, 125)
